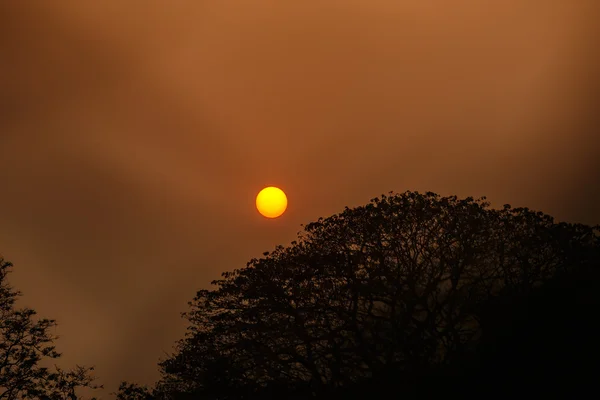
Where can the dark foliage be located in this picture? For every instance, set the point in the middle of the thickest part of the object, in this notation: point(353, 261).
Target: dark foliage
point(25, 342)
point(412, 293)
point(132, 391)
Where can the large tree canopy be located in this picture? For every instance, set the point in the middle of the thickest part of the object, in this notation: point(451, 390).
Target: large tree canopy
point(25, 343)
point(402, 281)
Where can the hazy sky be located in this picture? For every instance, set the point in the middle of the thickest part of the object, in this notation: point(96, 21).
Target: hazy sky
point(134, 136)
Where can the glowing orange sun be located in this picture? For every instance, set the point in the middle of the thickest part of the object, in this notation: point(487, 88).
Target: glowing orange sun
point(271, 202)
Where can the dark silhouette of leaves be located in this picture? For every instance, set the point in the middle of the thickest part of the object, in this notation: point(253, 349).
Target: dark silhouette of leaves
point(26, 341)
point(404, 283)
point(132, 391)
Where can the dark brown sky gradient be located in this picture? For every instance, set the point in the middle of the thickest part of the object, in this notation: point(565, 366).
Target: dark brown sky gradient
point(135, 136)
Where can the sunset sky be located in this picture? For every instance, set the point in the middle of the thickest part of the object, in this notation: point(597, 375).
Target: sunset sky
point(135, 135)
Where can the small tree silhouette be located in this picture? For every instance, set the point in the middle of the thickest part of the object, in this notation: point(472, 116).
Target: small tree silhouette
point(24, 343)
point(132, 391)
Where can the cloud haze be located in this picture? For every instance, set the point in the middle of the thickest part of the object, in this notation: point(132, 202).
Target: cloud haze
point(135, 136)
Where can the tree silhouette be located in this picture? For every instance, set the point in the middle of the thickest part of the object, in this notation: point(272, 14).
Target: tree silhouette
point(132, 391)
point(24, 343)
point(404, 283)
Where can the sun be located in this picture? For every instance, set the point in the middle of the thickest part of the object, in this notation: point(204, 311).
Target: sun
point(271, 202)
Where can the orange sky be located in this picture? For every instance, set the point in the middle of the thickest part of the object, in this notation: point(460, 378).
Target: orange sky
point(135, 136)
